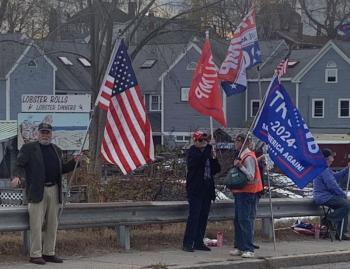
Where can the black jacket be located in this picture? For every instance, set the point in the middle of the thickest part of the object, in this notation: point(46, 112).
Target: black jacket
point(195, 184)
point(30, 165)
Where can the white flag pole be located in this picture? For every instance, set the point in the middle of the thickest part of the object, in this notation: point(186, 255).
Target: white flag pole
point(347, 190)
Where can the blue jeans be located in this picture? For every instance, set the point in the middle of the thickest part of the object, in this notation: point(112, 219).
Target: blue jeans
point(341, 209)
point(244, 220)
point(199, 208)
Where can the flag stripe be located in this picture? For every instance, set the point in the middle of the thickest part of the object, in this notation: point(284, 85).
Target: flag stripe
point(125, 135)
point(129, 133)
point(111, 155)
point(117, 146)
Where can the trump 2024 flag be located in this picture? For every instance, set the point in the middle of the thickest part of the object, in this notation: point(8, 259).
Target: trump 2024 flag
point(205, 94)
point(127, 140)
point(291, 145)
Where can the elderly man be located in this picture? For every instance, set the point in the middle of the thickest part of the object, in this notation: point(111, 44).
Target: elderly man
point(328, 192)
point(40, 164)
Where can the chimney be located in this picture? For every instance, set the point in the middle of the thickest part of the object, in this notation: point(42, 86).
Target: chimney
point(132, 8)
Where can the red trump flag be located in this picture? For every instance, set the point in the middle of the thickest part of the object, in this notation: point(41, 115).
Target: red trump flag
point(205, 94)
point(127, 140)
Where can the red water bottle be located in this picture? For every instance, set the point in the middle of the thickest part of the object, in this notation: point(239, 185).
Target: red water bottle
point(220, 239)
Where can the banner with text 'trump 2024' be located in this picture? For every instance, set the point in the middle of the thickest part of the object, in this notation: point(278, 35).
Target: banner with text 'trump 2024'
point(291, 144)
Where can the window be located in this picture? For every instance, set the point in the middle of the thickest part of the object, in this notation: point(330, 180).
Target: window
point(65, 60)
point(84, 62)
point(184, 94)
point(154, 102)
point(182, 138)
point(318, 108)
point(254, 107)
point(344, 108)
point(331, 72)
point(191, 66)
point(32, 63)
point(148, 63)
point(292, 63)
point(331, 75)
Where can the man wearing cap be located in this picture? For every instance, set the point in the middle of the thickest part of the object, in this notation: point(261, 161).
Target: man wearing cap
point(202, 165)
point(246, 199)
point(327, 192)
point(40, 165)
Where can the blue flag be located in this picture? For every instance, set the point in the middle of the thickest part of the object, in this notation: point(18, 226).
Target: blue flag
point(291, 144)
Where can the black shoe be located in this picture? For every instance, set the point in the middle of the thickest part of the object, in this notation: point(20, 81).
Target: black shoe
point(256, 246)
point(188, 249)
point(202, 247)
point(37, 260)
point(52, 258)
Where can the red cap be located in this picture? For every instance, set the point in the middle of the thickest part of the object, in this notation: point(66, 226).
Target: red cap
point(198, 135)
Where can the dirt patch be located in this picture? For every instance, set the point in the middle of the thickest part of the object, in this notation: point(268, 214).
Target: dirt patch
point(87, 242)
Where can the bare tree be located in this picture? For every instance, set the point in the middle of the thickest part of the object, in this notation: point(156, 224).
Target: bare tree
point(327, 15)
point(3, 9)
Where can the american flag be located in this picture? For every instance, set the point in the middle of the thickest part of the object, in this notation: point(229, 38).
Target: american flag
point(127, 140)
point(282, 68)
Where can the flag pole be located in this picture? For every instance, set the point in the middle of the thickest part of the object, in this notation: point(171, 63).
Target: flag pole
point(64, 198)
point(347, 190)
point(210, 118)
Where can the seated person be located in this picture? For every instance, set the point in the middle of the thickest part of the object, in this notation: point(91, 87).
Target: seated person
point(327, 192)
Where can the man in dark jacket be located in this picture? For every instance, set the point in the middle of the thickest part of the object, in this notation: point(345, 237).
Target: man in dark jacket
point(202, 165)
point(327, 192)
point(40, 164)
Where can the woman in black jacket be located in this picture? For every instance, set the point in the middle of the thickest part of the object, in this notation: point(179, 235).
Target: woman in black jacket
point(202, 165)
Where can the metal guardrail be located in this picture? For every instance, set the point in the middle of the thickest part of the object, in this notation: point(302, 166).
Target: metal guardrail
point(125, 214)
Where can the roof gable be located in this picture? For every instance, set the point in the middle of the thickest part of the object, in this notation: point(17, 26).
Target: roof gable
point(330, 45)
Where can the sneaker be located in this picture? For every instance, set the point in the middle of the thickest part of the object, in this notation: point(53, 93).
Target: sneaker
point(52, 258)
point(37, 260)
point(248, 254)
point(235, 252)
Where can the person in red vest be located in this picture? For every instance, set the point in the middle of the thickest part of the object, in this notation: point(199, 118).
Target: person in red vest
point(246, 199)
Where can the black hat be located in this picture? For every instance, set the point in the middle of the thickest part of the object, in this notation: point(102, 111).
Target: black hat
point(45, 127)
point(327, 152)
point(241, 137)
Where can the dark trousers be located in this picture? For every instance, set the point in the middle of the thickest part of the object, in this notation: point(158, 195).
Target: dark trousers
point(341, 209)
point(244, 221)
point(196, 225)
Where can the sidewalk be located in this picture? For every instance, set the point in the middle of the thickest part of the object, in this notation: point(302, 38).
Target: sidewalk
point(288, 254)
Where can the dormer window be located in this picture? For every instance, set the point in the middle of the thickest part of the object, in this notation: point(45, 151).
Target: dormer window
point(292, 63)
point(84, 62)
point(148, 64)
point(331, 72)
point(65, 60)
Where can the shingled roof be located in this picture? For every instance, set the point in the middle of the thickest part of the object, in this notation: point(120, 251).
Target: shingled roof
point(73, 78)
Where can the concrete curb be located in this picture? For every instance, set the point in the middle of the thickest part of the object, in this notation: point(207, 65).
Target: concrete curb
point(275, 262)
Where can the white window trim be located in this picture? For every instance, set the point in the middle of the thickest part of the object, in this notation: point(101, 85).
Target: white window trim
point(65, 60)
point(191, 66)
point(150, 102)
point(313, 108)
point(184, 88)
point(339, 100)
point(251, 106)
point(326, 75)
